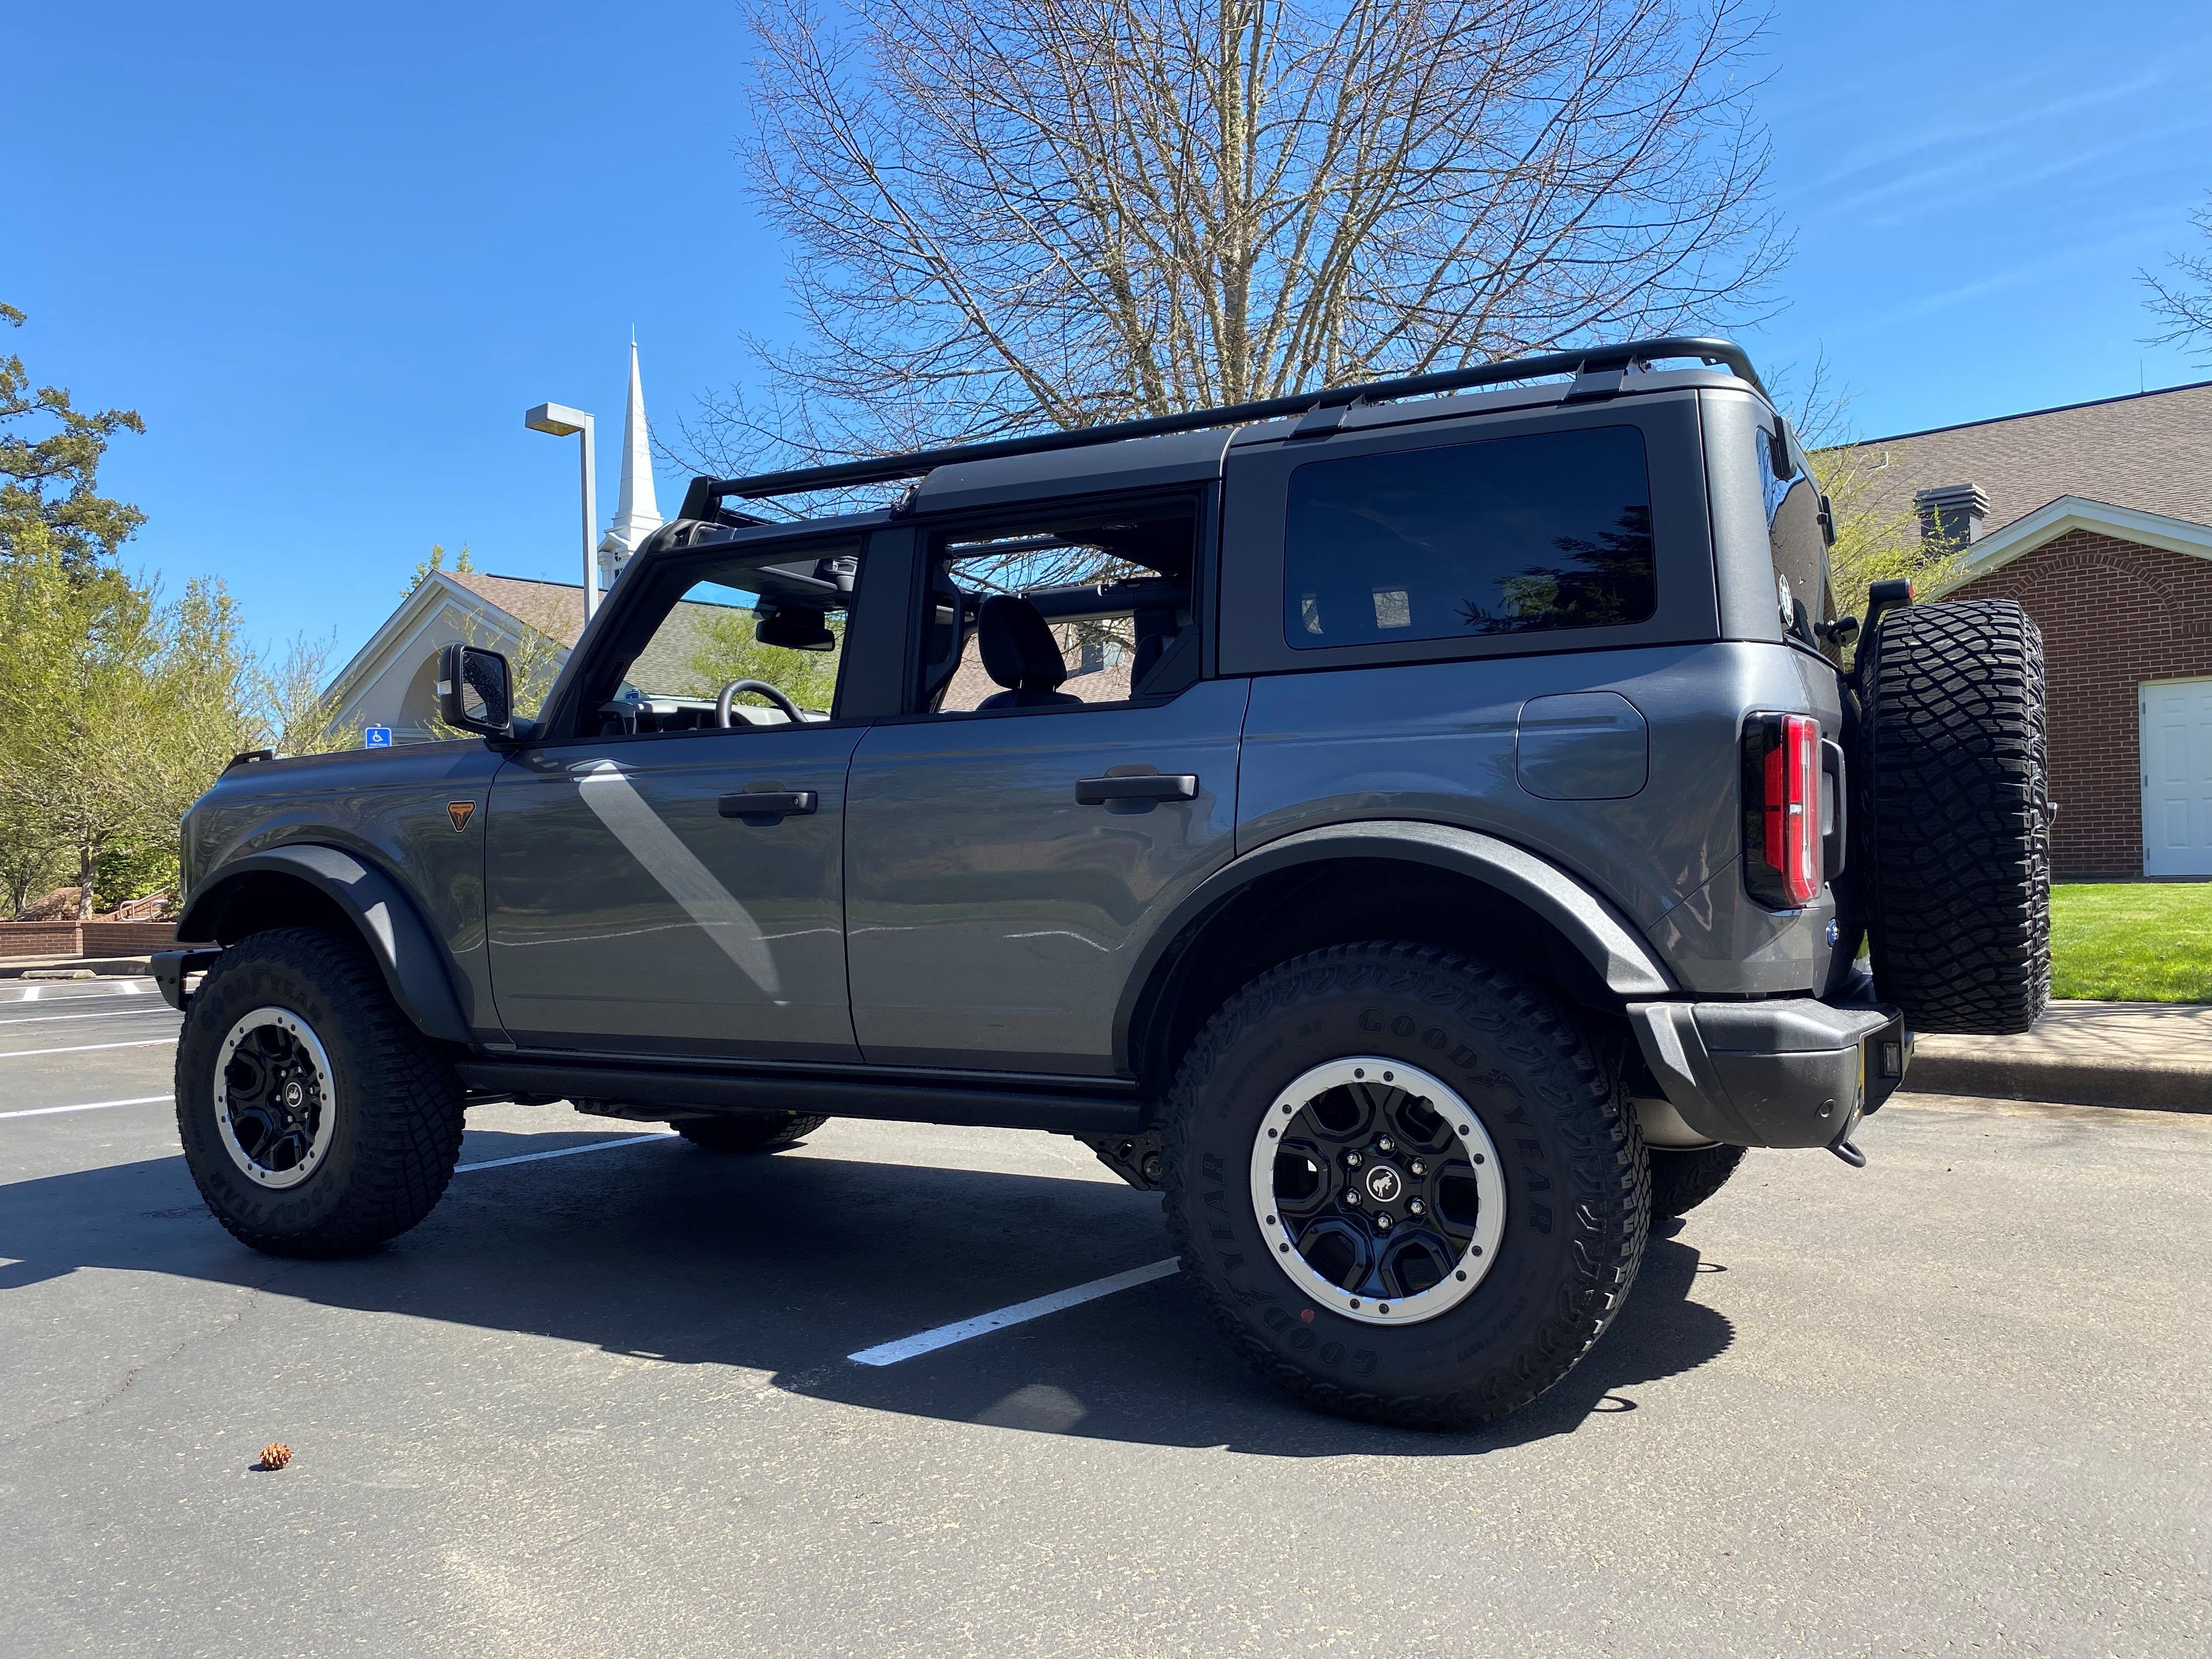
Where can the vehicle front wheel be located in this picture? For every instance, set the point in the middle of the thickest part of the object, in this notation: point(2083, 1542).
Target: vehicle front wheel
point(316, 1120)
point(1405, 1182)
point(753, 1131)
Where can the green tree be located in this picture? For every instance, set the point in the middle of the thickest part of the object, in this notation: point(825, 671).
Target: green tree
point(48, 485)
point(28, 867)
point(726, 651)
point(116, 711)
point(1874, 542)
point(462, 566)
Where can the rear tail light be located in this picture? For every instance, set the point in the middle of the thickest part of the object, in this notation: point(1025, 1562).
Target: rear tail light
point(1782, 809)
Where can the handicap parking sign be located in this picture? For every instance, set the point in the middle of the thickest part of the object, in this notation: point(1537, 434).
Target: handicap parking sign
point(376, 736)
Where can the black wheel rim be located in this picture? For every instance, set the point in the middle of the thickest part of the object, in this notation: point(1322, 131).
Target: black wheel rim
point(275, 1104)
point(1379, 1189)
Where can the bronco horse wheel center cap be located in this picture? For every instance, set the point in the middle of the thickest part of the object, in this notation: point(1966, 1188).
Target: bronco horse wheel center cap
point(294, 1094)
point(1354, 1236)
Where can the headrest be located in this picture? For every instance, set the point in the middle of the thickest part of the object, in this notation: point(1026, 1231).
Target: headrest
point(1018, 650)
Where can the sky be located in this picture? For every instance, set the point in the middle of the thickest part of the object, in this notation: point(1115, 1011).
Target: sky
point(331, 253)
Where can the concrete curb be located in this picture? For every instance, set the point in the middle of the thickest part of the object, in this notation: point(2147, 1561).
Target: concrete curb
point(107, 967)
point(2142, 1085)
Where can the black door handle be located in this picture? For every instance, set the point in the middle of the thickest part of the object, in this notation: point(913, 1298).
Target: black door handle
point(751, 804)
point(1143, 786)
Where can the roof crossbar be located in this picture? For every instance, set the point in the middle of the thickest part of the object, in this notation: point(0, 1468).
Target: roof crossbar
point(705, 493)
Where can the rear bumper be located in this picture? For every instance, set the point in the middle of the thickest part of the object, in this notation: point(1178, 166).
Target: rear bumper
point(1787, 1073)
point(173, 968)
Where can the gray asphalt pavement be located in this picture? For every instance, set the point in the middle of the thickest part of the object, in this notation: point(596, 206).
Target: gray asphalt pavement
point(1956, 1402)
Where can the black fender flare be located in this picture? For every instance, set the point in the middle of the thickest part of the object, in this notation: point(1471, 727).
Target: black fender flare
point(390, 925)
point(1621, 958)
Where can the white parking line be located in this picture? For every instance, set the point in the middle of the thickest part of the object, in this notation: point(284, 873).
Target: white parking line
point(566, 1152)
point(106, 990)
point(906, 1347)
point(885, 1353)
point(458, 1168)
point(112, 1013)
point(86, 1047)
point(89, 1106)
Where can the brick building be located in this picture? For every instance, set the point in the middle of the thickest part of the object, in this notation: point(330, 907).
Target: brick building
point(2097, 518)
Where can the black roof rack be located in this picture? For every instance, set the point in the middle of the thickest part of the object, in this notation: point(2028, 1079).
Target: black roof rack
point(701, 499)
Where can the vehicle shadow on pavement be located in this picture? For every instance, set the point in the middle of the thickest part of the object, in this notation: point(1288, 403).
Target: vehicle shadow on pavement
point(787, 1265)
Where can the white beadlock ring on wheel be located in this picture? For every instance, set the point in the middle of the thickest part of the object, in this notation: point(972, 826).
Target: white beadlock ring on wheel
point(310, 1050)
point(1372, 1071)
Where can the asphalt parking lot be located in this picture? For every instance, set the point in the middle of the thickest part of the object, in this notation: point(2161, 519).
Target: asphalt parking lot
point(602, 1403)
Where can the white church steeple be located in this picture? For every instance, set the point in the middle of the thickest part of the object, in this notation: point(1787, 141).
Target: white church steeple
point(636, 513)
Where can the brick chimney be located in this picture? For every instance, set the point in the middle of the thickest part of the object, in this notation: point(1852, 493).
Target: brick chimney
point(1952, 514)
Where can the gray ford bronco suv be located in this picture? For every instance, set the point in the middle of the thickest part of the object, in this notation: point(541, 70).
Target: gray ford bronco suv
point(1424, 829)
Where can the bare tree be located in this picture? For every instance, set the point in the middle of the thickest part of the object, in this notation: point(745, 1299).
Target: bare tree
point(2183, 302)
point(1073, 211)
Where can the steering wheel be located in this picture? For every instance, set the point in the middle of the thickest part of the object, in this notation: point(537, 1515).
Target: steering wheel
point(722, 702)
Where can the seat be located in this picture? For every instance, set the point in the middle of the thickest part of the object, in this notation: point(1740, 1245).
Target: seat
point(1020, 653)
point(1156, 631)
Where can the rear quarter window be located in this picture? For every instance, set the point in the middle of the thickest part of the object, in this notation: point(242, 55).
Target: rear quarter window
point(1797, 542)
point(1521, 535)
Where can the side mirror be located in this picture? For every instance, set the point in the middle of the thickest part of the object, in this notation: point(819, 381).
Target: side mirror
point(795, 629)
point(475, 690)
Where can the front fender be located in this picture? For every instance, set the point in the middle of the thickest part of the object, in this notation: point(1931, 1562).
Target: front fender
point(413, 963)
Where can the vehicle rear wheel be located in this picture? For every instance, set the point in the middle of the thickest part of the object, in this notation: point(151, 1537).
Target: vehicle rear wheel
point(316, 1120)
point(753, 1132)
point(1680, 1181)
point(1405, 1184)
point(1955, 813)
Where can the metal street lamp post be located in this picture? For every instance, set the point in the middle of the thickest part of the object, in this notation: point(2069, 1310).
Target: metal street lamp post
point(561, 421)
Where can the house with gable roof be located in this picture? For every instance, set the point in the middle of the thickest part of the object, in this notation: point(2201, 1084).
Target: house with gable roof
point(392, 680)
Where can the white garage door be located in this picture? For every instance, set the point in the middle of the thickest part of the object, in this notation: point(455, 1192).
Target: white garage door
point(2177, 777)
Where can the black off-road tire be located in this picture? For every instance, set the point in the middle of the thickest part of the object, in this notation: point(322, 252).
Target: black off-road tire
point(1955, 817)
point(753, 1131)
point(1577, 1196)
point(397, 1114)
point(1680, 1181)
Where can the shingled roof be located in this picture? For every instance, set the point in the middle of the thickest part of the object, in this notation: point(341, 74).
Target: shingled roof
point(2151, 451)
point(551, 608)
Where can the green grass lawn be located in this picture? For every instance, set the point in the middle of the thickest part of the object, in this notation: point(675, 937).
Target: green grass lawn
point(2132, 941)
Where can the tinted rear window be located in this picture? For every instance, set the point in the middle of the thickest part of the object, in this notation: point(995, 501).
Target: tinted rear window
point(1511, 536)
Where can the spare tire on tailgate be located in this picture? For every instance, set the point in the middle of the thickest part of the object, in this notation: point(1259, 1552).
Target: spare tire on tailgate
point(1954, 816)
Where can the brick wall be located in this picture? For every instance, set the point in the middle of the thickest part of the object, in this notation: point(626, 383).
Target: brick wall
point(2113, 614)
point(85, 939)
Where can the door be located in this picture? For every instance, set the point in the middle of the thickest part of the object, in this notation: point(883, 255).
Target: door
point(638, 905)
point(664, 870)
point(1064, 779)
point(995, 905)
point(2177, 777)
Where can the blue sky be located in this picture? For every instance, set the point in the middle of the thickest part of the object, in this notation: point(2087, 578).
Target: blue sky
point(331, 253)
